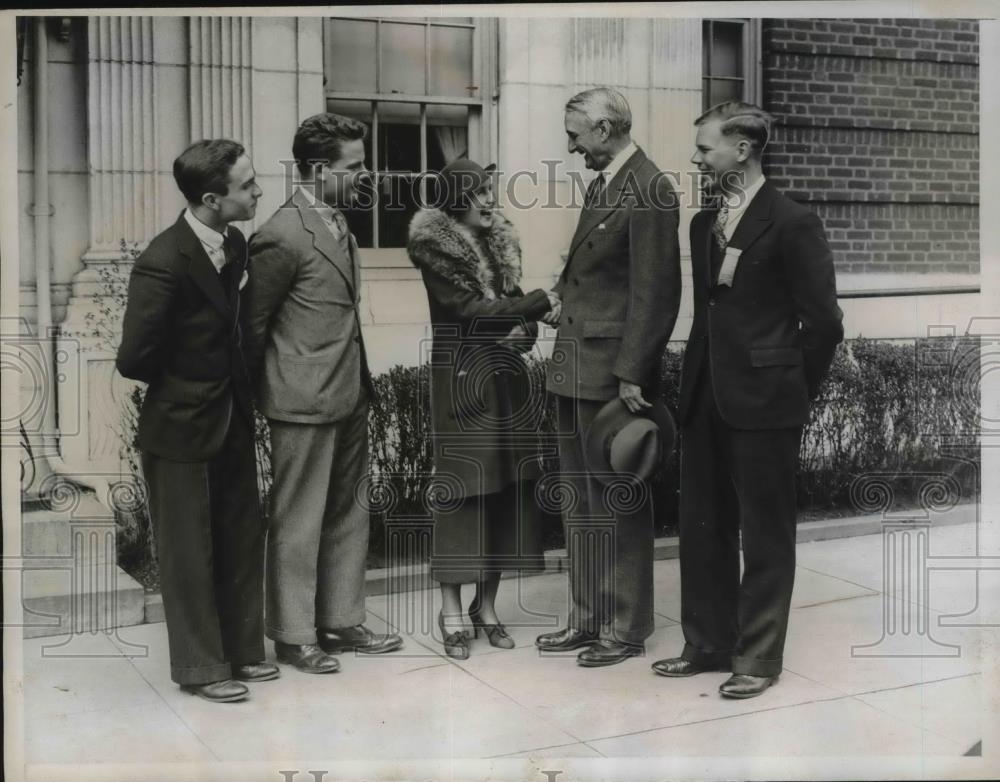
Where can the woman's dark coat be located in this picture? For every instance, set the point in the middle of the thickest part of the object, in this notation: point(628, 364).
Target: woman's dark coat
point(483, 411)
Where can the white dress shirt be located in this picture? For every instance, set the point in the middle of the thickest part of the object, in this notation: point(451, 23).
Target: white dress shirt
point(210, 239)
point(618, 161)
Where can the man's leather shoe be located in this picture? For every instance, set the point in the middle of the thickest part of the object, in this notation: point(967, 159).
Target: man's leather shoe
point(225, 691)
point(564, 640)
point(606, 652)
point(308, 658)
point(678, 666)
point(256, 672)
point(357, 639)
point(743, 685)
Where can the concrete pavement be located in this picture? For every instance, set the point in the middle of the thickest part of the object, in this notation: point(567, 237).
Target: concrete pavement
point(100, 698)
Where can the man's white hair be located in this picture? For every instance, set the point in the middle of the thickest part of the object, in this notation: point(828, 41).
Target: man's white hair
point(603, 103)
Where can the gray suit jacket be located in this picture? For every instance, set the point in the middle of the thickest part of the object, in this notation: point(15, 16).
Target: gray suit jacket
point(621, 288)
point(306, 354)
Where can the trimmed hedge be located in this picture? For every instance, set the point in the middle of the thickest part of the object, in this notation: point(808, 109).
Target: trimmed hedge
point(889, 411)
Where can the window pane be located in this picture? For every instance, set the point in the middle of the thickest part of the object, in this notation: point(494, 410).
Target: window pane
point(399, 113)
point(451, 62)
point(727, 49)
point(350, 55)
point(723, 90)
point(398, 147)
point(398, 165)
point(403, 58)
point(447, 135)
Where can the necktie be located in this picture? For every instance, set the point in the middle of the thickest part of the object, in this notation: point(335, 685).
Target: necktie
point(344, 239)
point(230, 279)
point(228, 273)
point(343, 232)
point(719, 227)
point(594, 191)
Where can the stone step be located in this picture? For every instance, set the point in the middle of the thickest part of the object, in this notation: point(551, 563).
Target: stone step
point(59, 597)
point(50, 532)
point(53, 538)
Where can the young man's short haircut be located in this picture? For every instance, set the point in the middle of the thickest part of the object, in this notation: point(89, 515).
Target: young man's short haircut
point(741, 119)
point(204, 167)
point(320, 137)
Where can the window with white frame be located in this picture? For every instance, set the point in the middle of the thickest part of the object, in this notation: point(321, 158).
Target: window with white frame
point(730, 61)
point(421, 86)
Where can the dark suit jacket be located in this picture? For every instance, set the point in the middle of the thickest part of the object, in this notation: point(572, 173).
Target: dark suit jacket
point(307, 355)
point(621, 287)
point(770, 337)
point(181, 335)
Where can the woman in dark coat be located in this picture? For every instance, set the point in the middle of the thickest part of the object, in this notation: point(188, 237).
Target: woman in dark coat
point(483, 412)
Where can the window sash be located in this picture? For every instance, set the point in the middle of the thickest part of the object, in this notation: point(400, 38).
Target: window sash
point(475, 105)
point(378, 174)
point(380, 94)
point(750, 54)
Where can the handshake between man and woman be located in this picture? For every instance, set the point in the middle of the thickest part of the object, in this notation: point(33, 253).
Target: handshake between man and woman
point(218, 326)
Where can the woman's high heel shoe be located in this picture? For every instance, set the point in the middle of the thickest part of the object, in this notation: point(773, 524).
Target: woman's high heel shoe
point(496, 634)
point(455, 644)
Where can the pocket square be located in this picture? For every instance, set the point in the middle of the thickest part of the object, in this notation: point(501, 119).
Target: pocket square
point(243, 279)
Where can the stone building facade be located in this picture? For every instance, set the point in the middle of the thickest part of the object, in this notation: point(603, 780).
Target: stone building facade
point(878, 132)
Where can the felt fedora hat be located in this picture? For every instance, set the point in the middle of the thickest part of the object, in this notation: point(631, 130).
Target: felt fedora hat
point(628, 444)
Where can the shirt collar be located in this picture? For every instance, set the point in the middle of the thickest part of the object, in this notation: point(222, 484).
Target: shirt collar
point(618, 161)
point(324, 211)
point(209, 237)
point(737, 204)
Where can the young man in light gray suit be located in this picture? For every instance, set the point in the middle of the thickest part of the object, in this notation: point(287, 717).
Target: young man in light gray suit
point(313, 385)
point(620, 294)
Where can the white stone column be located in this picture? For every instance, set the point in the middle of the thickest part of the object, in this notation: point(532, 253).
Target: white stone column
point(220, 76)
point(122, 143)
point(124, 207)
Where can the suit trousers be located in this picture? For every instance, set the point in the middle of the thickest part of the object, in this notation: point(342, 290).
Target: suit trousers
point(317, 541)
point(736, 484)
point(210, 547)
point(609, 539)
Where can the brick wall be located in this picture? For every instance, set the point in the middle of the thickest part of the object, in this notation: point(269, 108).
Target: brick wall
point(878, 131)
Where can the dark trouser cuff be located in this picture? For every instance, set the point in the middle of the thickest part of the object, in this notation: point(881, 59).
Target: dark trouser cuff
point(752, 666)
point(204, 674)
point(706, 659)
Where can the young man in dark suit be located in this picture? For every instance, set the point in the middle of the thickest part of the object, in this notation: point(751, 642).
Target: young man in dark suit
point(766, 323)
point(182, 336)
point(620, 293)
point(312, 383)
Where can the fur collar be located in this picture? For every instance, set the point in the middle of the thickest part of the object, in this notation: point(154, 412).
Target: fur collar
point(442, 245)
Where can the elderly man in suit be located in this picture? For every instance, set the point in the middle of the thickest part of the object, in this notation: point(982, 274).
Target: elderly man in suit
point(620, 292)
point(766, 323)
point(182, 335)
point(313, 386)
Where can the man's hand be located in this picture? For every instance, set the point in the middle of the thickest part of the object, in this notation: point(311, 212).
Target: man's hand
point(631, 395)
point(551, 318)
